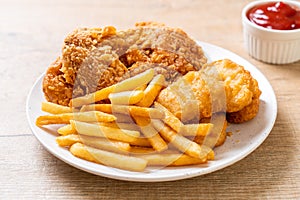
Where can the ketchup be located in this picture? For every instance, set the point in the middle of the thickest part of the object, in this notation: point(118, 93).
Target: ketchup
point(275, 15)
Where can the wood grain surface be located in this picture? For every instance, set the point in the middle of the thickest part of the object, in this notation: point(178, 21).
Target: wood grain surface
point(31, 37)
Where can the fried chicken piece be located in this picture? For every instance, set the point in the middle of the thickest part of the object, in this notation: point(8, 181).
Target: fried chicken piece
point(55, 87)
point(169, 72)
point(187, 98)
point(178, 62)
point(87, 67)
point(246, 114)
point(95, 58)
point(240, 93)
point(149, 23)
point(243, 98)
point(77, 46)
point(133, 56)
point(60, 84)
point(166, 63)
point(111, 45)
point(240, 87)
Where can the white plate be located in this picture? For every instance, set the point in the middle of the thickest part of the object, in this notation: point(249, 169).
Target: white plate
point(245, 139)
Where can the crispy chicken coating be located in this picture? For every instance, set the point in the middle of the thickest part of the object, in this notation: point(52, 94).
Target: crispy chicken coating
point(240, 87)
point(240, 99)
point(55, 87)
point(94, 58)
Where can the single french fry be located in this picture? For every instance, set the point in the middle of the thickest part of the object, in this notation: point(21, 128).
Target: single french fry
point(142, 87)
point(151, 133)
point(187, 130)
point(135, 81)
point(93, 97)
point(174, 159)
point(64, 118)
point(108, 158)
point(54, 108)
point(140, 111)
point(122, 118)
point(180, 142)
point(141, 150)
point(67, 129)
point(126, 97)
point(152, 90)
point(169, 119)
point(126, 85)
point(106, 144)
point(140, 142)
point(78, 150)
point(120, 125)
point(149, 150)
point(96, 142)
point(125, 109)
point(94, 116)
point(67, 140)
point(97, 130)
point(131, 139)
point(201, 129)
point(210, 152)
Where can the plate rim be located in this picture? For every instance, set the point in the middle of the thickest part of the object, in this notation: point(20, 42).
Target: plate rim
point(125, 177)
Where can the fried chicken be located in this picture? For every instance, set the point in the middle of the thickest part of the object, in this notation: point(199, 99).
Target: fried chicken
point(55, 88)
point(238, 95)
point(96, 58)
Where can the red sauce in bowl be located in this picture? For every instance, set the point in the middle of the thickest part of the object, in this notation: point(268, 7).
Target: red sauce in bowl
point(275, 15)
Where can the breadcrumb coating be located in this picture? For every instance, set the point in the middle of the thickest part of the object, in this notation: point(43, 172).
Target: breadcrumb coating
point(94, 58)
point(54, 84)
point(241, 90)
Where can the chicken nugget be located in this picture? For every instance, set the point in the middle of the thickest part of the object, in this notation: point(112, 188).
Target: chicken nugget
point(241, 92)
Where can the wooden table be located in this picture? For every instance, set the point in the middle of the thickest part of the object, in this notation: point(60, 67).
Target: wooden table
point(31, 37)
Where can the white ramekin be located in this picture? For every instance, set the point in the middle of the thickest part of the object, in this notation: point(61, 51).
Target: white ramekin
point(269, 45)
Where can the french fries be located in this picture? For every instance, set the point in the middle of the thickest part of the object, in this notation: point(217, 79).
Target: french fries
point(126, 85)
point(153, 136)
point(55, 108)
point(141, 150)
point(142, 87)
point(181, 143)
point(125, 109)
point(67, 129)
point(186, 130)
point(202, 129)
point(123, 118)
point(170, 119)
point(108, 158)
point(152, 91)
point(128, 133)
point(126, 97)
point(96, 142)
point(175, 159)
point(97, 130)
point(93, 97)
point(120, 125)
point(106, 144)
point(67, 140)
point(91, 116)
point(135, 82)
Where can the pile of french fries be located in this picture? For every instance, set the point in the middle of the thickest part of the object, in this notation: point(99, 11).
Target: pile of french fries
point(132, 131)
